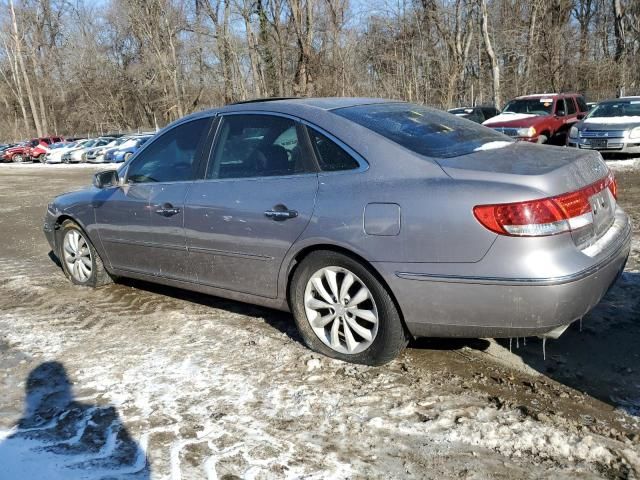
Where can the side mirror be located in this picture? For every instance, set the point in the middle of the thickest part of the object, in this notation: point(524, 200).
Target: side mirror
point(108, 178)
point(581, 116)
point(560, 113)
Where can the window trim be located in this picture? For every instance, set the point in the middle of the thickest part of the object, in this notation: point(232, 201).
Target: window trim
point(200, 150)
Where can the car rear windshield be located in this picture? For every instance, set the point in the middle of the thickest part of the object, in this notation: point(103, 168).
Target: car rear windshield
point(423, 130)
point(629, 108)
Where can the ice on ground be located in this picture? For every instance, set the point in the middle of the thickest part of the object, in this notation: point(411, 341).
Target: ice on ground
point(621, 165)
point(492, 146)
point(508, 117)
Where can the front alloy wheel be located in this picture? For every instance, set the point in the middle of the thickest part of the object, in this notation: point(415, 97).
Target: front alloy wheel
point(80, 260)
point(77, 256)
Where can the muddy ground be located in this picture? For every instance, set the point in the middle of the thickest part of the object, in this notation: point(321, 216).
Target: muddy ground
point(138, 381)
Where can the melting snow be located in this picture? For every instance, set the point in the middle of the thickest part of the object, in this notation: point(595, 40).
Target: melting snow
point(492, 146)
point(508, 117)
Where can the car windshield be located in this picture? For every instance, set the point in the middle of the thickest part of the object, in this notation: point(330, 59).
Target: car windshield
point(131, 142)
point(629, 108)
point(531, 106)
point(56, 145)
point(423, 130)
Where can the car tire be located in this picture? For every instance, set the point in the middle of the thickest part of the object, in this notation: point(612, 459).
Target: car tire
point(80, 260)
point(127, 156)
point(387, 335)
point(18, 158)
point(543, 139)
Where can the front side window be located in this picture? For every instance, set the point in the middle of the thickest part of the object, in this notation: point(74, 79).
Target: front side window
point(571, 106)
point(423, 130)
point(330, 155)
point(257, 146)
point(561, 109)
point(582, 105)
point(171, 157)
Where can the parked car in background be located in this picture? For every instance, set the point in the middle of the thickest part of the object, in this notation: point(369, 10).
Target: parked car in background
point(76, 155)
point(96, 154)
point(55, 155)
point(16, 153)
point(38, 147)
point(126, 150)
point(476, 114)
point(591, 105)
point(318, 206)
point(612, 126)
point(540, 118)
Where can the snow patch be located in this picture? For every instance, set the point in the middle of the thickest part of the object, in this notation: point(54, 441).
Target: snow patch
point(622, 165)
point(508, 117)
point(613, 120)
point(492, 146)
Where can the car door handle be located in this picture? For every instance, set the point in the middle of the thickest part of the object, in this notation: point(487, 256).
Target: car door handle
point(280, 213)
point(167, 210)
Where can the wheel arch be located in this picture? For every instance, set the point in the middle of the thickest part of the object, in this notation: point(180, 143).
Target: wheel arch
point(300, 255)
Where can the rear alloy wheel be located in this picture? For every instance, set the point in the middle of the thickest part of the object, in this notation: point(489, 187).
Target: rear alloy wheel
point(81, 263)
point(343, 311)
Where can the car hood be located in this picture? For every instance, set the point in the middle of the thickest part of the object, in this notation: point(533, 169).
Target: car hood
point(609, 123)
point(550, 170)
point(515, 120)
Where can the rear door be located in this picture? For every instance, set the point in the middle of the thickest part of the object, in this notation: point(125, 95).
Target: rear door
point(256, 199)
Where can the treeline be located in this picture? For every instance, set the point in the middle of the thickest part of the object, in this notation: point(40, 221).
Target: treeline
point(85, 67)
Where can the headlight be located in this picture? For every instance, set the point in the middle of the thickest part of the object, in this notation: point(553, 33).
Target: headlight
point(634, 133)
point(527, 132)
point(573, 132)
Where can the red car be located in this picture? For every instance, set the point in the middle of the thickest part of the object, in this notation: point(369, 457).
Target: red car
point(31, 150)
point(540, 118)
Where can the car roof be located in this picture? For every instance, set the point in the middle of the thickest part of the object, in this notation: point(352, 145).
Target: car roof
point(293, 106)
point(550, 95)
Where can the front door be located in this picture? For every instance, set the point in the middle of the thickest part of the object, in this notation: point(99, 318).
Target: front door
point(256, 200)
point(142, 224)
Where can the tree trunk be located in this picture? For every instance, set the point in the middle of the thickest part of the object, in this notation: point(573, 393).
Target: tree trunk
point(620, 56)
point(23, 70)
point(495, 67)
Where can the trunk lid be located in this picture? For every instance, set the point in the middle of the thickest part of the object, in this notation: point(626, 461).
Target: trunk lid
point(549, 171)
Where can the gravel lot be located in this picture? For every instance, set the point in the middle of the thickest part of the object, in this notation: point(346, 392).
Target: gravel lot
point(138, 381)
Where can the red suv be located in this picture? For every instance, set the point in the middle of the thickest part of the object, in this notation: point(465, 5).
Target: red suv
point(540, 118)
point(38, 147)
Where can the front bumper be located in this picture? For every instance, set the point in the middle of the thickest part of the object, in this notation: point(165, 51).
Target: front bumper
point(439, 305)
point(619, 145)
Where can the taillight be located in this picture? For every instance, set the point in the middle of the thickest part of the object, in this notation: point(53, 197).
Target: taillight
point(545, 216)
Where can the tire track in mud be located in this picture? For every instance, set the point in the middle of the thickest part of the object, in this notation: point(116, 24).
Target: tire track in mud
point(180, 375)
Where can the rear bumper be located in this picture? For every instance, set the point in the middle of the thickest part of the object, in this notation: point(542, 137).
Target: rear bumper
point(450, 306)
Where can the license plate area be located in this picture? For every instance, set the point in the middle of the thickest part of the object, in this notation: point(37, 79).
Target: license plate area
point(602, 207)
point(598, 143)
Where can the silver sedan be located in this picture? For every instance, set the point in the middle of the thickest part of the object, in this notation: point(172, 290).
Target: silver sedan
point(372, 221)
point(611, 126)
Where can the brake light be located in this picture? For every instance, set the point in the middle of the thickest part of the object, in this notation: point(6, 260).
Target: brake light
point(545, 216)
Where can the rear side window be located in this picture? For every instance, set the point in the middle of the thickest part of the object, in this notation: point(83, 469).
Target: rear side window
point(330, 155)
point(582, 105)
point(251, 145)
point(422, 130)
point(571, 107)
